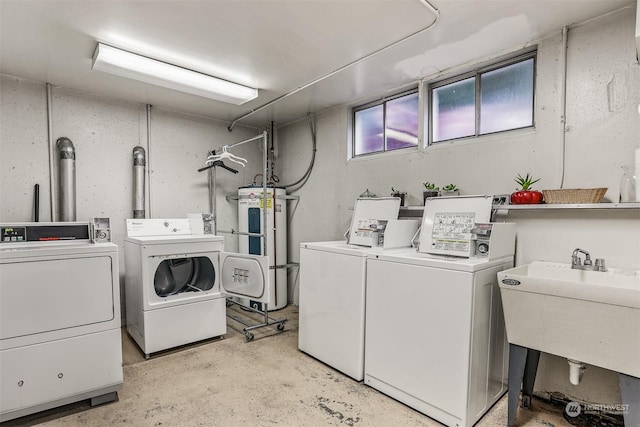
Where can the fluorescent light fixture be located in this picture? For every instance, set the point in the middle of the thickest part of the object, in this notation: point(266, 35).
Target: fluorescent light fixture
point(127, 64)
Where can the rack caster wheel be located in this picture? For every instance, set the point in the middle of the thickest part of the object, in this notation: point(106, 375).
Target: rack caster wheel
point(249, 336)
point(281, 326)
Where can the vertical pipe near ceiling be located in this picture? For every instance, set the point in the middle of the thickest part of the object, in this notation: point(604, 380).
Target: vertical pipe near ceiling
point(139, 170)
point(563, 101)
point(149, 156)
point(215, 201)
point(67, 157)
point(52, 155)
point(210, 187)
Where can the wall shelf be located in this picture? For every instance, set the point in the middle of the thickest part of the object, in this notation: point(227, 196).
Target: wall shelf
point(412, 210)
point(570, 206)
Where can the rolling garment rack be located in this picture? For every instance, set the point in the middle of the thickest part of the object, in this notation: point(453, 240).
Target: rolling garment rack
point(267, 320)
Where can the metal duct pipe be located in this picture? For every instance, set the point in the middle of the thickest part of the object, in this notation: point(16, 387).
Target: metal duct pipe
point(67, 156)
point(139, 165)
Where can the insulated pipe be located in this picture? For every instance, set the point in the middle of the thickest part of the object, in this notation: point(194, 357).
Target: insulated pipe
point(67, 156)
point(139, 166)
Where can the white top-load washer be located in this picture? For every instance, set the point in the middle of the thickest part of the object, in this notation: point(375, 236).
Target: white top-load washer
point(435, 337)
point(176, 283)
point(60, 338)
point(333, 284)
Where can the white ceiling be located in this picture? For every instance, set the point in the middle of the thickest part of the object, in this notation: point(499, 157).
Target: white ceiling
point(277, 46)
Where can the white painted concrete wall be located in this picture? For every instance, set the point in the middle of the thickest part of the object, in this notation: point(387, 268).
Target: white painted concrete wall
point(603, 93)
point(104, 133)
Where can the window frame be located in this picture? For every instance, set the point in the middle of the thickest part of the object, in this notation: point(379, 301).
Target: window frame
point(383, 101)
point(476, 74)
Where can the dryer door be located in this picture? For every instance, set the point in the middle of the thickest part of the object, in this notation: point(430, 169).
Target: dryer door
point(245, 276)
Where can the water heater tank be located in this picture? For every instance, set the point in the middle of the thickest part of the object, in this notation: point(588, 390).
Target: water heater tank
point(250, 219)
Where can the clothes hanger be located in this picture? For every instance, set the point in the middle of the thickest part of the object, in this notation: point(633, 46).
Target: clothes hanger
point(226, 155)
point(233, 157)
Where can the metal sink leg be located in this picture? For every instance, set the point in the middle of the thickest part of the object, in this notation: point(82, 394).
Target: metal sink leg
point(530, 370)
point(523, 365)
point(630, 391)
point(517, 361)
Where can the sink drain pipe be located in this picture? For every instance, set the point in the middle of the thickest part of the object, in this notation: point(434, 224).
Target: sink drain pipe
point(576, 371)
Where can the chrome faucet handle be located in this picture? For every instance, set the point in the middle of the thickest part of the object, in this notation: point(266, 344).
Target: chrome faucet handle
point(587, 260)
point(600, 265)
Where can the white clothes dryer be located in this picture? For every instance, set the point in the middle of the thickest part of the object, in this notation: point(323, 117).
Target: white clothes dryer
point(60, 337)
point(176, 286)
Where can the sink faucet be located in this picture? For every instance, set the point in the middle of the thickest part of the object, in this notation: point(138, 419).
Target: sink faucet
point(576, 262)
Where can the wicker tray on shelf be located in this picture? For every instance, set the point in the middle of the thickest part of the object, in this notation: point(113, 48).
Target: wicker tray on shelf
point(574, 195)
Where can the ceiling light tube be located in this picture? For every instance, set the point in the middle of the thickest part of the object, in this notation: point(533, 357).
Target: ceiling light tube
point(127, 64)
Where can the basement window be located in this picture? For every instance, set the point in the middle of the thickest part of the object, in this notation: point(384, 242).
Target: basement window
point(387, 124)
point(492, 99)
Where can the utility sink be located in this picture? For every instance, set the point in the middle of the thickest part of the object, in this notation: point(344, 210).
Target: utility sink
point(588, 316)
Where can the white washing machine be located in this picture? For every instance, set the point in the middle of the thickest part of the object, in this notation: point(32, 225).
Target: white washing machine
point(176, 283)
point(435, 337)
point(60, 338)
point(333, 285)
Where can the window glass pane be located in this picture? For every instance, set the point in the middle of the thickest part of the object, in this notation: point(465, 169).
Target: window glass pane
point(454, 110)
point(368, 133)
point(401, 122)
point(506, 98)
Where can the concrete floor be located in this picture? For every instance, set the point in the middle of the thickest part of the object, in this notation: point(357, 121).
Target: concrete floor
point(265, 382)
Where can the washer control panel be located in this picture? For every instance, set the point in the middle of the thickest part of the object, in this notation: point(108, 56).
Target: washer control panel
point(13, 234)
point(43, 232)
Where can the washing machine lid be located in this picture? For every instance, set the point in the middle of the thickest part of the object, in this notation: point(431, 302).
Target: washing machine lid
point(443, 262)
point(245, 276)
point(338, 247)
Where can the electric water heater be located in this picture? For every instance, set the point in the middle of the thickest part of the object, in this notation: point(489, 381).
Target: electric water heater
point(250, 220)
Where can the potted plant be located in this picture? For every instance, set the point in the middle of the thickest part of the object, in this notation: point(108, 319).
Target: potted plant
point(431, 190)
point(525, 195)
point(450, 190)
point(400, 194)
